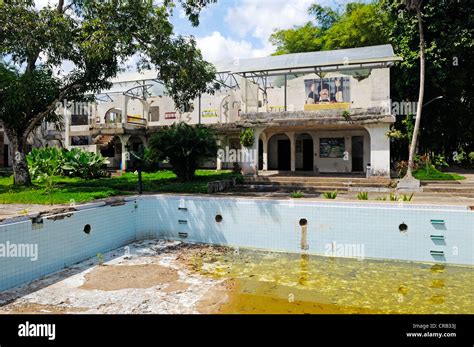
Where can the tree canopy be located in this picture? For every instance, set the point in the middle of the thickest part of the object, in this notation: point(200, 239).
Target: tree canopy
point(185, 147)
point(448, 123)
point(94, 38)
point(358, 25)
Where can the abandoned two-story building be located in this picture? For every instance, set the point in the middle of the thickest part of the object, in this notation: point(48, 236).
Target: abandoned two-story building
point(319, 112)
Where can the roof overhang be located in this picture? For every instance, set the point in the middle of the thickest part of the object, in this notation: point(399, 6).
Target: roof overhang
point(323, 61)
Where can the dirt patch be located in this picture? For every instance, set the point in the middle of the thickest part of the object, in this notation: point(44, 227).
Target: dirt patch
point(217, 297)
point(194, 256)
point(35, 308)
point(176, 287)
point(116, 277)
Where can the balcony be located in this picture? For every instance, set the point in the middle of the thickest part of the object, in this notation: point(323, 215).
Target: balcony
point(332, 116)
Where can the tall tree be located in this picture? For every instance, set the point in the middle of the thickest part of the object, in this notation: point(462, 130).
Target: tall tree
point(448, 123)
point(415, 5)
point(358, 25)
point(95, 38)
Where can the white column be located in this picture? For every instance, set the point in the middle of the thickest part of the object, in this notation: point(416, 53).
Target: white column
point(125, 155)
point(250, 164)
point(379, 148)
point(67, 129)
point(124, 109)
point(220, 141)
point(265, 152)
point(292, 137)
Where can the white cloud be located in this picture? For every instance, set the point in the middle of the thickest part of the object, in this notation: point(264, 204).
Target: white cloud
point(42, 3)
point(260, 18)
point(216, 48)
point(253, 22)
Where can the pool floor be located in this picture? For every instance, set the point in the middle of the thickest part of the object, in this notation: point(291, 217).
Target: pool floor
point(157, 276)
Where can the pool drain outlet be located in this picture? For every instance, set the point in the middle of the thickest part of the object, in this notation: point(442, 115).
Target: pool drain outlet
point(304, 234)
point(403, 227)
point(87, 229)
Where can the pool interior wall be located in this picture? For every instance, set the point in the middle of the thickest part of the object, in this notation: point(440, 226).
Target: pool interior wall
point(440, 234)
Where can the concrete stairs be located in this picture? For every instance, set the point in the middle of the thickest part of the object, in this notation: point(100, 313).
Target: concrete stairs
point(315, 184)
point(351, 185)
point(103, 140)
point(449, 188)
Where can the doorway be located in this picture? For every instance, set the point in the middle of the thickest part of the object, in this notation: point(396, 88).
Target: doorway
point(260, 154)
point(357, 153)
point(284, 155)
point(308, 154)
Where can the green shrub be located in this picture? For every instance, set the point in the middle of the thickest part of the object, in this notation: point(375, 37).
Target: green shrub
point(239, 179)
point(247, 137)
point(53, 161)
point(463, 159)
point(185, 147)
point(330, 195)
point(346, 115)
point(296, 194)
point(150, 164)
point(381, 198)
point(405, 197)
point(47, 161)
point(471, 157)
point(82, 164)
point(363, 196)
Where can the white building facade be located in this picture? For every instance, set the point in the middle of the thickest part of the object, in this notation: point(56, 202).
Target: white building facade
point(318, 112)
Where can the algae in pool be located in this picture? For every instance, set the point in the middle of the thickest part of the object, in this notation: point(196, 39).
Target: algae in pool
point(271, 282)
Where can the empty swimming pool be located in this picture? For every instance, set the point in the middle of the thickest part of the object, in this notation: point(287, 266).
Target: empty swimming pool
point(35, 246)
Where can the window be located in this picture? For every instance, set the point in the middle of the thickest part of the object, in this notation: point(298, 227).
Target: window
point(79, 140)
point(234, 143)
point(332, 147)
point(154, 113)
point(79, 119)
point(170, 115)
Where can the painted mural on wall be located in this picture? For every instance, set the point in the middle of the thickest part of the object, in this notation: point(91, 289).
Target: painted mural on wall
point(332, 147)
point(327, 90)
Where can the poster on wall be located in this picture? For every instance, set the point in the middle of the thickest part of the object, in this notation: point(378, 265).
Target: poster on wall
point(332, 147)
point(327, 90)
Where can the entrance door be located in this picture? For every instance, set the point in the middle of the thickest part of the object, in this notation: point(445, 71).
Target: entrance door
point(308, 155)
point(260, 154)
point(357, 153)
point(284, 155)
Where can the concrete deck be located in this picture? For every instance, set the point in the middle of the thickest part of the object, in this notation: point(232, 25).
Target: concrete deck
point(8, 211)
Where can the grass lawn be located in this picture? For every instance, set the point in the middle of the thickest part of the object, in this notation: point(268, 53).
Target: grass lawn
point(77, 190)
point(435, 175)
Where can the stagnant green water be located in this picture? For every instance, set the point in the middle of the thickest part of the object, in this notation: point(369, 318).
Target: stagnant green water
point(270, 282)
